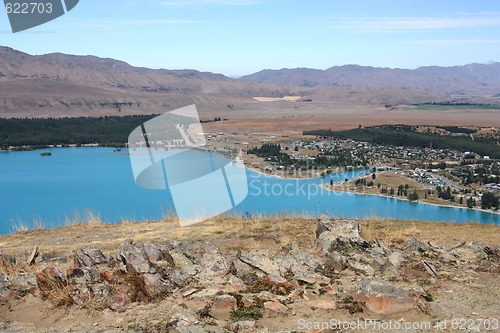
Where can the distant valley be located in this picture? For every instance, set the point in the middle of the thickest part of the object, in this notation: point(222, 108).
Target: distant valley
point(457, 81)
point(61, 85)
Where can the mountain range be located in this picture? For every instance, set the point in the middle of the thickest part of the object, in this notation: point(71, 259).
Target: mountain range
point(456, 81)
point(59, 84)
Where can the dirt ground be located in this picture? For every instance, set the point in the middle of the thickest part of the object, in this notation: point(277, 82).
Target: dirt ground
point(455, 295)
point(280, 117)
point(233, 233)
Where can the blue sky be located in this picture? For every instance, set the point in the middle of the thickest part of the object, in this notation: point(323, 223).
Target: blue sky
point(237, 37)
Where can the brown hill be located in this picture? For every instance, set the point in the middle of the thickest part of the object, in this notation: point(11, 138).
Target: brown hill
point(468, 80)
point(66, 85)
point(114, 75)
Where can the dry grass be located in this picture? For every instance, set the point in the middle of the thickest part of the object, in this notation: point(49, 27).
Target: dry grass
point(233, 233)
point(86, 217)
point(368, 231)
point(57, 293)
point(139, 290)
point(447, 234)
point(276, 117)
point(14, 270)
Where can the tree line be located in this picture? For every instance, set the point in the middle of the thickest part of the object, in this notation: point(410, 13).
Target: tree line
point(405, 135)
point(107, 130)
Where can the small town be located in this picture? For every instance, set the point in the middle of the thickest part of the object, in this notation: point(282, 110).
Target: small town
point(438, 176)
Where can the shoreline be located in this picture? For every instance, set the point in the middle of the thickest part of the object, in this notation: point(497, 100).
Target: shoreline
point(324, 181)
point(418, 201)
point(296, 178)
point(325, 185)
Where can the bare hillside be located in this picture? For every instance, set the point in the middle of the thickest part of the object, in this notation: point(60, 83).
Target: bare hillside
point(59, 85)
point(468, 80)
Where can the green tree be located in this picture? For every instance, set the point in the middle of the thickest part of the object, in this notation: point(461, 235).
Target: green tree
point(413, 196)
point(489, 200)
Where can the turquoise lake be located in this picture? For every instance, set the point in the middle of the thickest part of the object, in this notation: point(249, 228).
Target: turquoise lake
point(53, 189)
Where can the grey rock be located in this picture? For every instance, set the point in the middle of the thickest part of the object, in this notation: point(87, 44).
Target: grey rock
point(100, 293)
point(89, 256)
point(382, 297)
point(379, 288)
point(119, 299)
point(304, 258)
point(80, 294)
point(177, 276)
point(391, 272)
point(181, 247)
point(185, 322)
point(156, 284)
point(213, 263)
point(291, 247)
point(312, 278)
point(32, 257)
point(301, 265)
point(492, 252)
point(24, 281)
point(41, 258)
point(416, 245)
point(458, 245)
point(157, 252)
point(418, 291)
point(5, 284)
point(378, 263)
point(361, 268)
point(361, 258)
point(246, 272)
point(134, 256)
point(342, 235)
point(478, 249)
point(446, 257)
point(83, 275)
point(430, 268)
point(289, 264)
point(395, 259)
point(335, 262)
point(381, 245)
point(183, 259)
point(377, 251)
point(263, 264)
point(323, 224)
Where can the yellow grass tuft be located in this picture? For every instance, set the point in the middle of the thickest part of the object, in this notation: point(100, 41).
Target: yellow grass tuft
point(57, 293)
point(14, 270)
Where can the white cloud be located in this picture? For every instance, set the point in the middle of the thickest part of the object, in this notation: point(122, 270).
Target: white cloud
point(453, 42)
point(395, 24)
point(202, 3)
point(120, 24)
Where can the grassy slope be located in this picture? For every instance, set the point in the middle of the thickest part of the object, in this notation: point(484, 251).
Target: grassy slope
point(233, 233)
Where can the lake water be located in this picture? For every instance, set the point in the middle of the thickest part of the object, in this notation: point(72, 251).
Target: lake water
point(51, 190)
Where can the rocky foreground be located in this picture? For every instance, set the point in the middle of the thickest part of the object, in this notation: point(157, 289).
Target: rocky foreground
point(194, 287)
